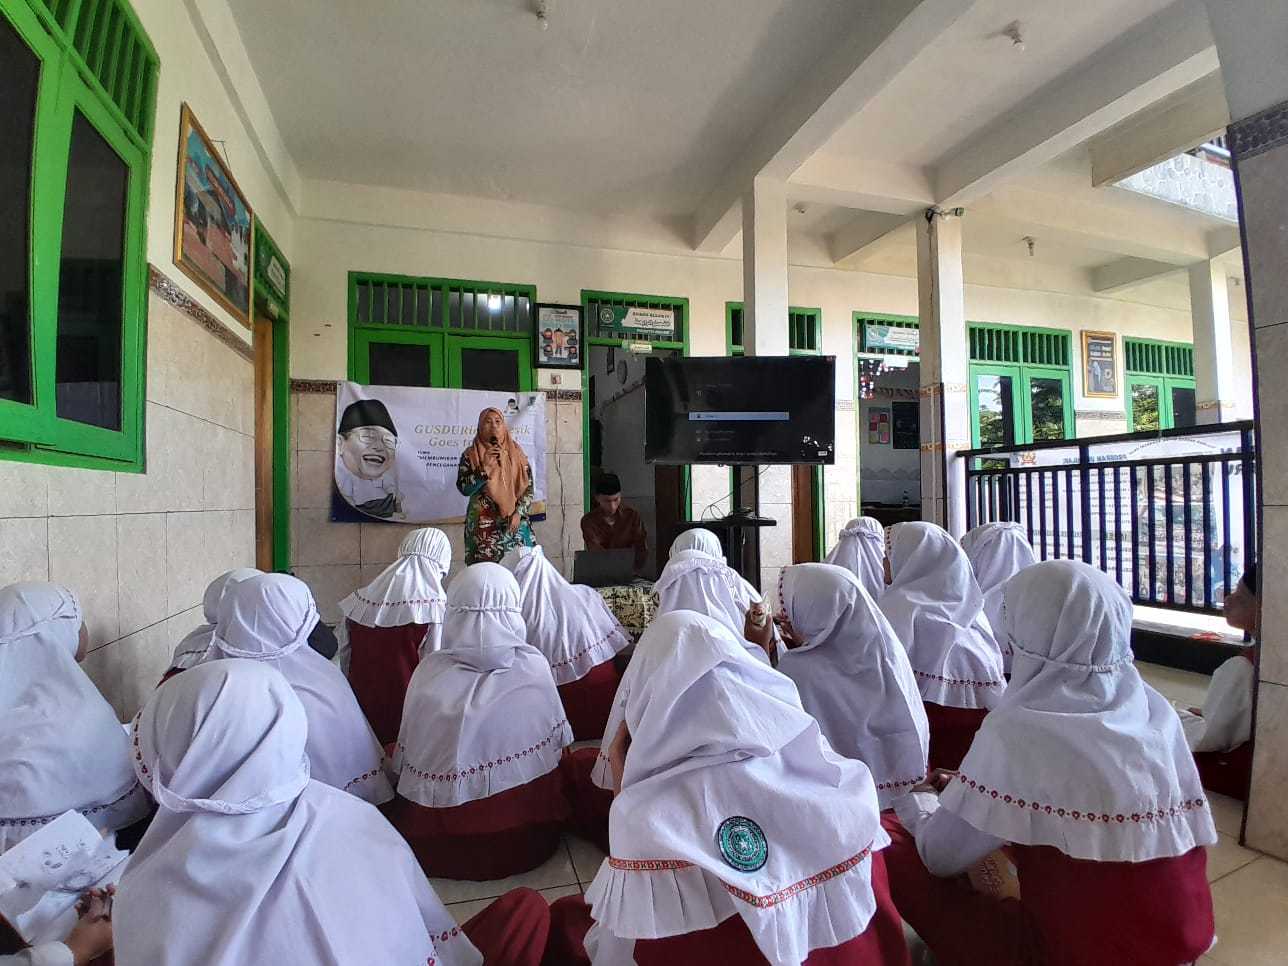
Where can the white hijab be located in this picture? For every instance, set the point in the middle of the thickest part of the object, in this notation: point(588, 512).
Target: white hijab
point(269, 618)
point(860, 549)
point(192, 649)
point(248, 861)
point(718, 739)
point(568, 623)
point(854, 676)
point(482, 714)
point(409, 590)
point(1080, 754)
point(936, 608)
point(997, 552)
point(696, 578)
point(61, 747)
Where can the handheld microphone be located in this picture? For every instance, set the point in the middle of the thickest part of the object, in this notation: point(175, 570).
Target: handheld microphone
point(494, 441)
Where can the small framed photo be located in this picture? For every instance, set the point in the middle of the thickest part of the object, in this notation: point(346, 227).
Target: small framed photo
point(1100, 357)
point(560, 337)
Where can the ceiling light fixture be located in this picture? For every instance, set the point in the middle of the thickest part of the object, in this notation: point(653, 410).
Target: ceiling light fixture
point(801, 208)
point(1013, 33)
point(543, 14)
point(1031, 242)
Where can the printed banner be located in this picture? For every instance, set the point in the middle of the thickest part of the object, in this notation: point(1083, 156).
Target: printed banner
point(626, 320)
point(398, 449)
point(891, 337)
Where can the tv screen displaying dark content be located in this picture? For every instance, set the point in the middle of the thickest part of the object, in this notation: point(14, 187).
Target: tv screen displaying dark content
point(740, 410)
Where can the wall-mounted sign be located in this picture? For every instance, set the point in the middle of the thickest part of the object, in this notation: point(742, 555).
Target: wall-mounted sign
point(1100, 357)
point(272, 276)
point(624, 319)
point(892, 338)
point(559, 337)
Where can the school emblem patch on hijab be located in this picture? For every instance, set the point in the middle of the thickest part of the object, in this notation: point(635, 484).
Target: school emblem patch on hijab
point(742, 844)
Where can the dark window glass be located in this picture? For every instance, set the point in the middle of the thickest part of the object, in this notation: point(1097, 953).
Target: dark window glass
point(19, 79)
point(496, 369)
point(89, 286)
point(394, 364)
point(996, 411)
point(1047, 399)
point(1183, 408)
point(1144, 408)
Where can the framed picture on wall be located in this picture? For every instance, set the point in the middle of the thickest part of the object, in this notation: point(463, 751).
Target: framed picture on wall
point(213, 238)
point(559, 337)
point(1100, 357)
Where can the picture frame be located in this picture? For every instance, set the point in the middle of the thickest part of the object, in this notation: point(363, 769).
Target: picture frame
point(214, 233)
point(559, 341)
point(1100, 364)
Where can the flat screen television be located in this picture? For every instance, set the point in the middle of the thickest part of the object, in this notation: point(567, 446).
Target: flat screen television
point(740, 410)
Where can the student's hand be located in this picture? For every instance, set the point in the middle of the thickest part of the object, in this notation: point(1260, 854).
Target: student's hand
point(617, 749)
point(936, 781)
point(788, 633)
point(515, 520)
point(92, 935)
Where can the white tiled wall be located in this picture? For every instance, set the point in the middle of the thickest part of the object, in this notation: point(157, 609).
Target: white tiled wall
point(139, 549)
point(335, 558)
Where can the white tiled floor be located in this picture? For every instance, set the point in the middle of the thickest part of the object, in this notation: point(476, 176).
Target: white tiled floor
point(1249, 889)
point(568, 872)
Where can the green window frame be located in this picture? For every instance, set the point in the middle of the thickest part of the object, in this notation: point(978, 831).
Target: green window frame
point(1028, 355)
point(446, 316)
point(96, 61)
point(1161, 366)
point(591, 301)
point(804, 330)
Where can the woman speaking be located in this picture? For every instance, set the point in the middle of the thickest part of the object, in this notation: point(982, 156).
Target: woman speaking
point(495, 475)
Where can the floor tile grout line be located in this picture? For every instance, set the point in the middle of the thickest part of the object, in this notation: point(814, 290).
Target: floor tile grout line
point(1225, 875)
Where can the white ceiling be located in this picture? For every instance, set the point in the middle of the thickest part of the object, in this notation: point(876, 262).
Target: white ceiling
point(620, 105)
point(971, 75)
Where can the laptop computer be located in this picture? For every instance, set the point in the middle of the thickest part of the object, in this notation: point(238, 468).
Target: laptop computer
point(603, 568)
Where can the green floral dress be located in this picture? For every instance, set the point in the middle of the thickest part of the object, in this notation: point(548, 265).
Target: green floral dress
point(487, 533)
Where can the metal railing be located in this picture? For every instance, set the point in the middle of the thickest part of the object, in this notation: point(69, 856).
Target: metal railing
point(1170, 514)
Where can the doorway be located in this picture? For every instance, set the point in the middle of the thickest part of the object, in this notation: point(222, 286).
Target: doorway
point(615, 406)
point(264, 439)
point(807, 514)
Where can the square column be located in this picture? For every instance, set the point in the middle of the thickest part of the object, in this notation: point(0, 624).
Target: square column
point(764, 332)
point(945, 368)
point(1214, 398)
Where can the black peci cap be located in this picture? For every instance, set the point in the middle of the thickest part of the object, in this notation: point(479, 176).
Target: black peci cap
point(366, 412)
point(608, 485)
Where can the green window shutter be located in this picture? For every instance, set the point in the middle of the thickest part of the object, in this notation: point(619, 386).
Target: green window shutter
point(804, 331)
point(733, 329)
point(1150, 357)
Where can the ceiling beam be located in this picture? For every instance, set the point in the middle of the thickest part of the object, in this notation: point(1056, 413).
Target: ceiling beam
point(1194, 115)
point(1162, 54)
point(867, 232)
point(1127, 273)
point(862, 64)
point(893, 189)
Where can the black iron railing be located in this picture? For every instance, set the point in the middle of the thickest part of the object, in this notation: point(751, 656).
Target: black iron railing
point(1170, 514)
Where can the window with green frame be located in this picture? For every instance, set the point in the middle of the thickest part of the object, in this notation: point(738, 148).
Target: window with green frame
point(440, 332)
point(79, 81)
point(1020, 384)
point(804, 330)
point(1160, 384)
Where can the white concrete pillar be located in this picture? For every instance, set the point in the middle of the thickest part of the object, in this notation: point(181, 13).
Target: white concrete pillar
point(1214, 393)
point(945, 367)
point(764, 322)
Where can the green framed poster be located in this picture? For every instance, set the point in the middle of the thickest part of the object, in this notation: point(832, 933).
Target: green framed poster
point(272, 275)
point(629, 320)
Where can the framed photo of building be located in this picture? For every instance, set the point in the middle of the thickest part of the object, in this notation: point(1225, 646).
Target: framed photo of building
point(559, 338)
point(1100, 362)
point(213, 235)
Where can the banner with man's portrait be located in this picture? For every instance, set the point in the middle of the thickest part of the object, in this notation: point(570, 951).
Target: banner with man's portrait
point(398, 449)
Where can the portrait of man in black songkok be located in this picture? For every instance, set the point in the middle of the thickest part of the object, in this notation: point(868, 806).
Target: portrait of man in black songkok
point(367, 446)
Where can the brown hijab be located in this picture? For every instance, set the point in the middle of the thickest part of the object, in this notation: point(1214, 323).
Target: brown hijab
point(507, 487)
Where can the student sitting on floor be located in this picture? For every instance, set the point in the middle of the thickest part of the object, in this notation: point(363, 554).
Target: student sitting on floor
point(480, 794)
point(738, 835)
point(697, 578)
point(853, 675)
point(191, 651)
point(1082, 773)
point(269, 618)
point(576, 632)
point(250, 861)
point(997, 552)
point(860, 549)
point(1219, 733)
point(61, 746)
point(90, 939)
point(936, 608)
point(390, 622)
